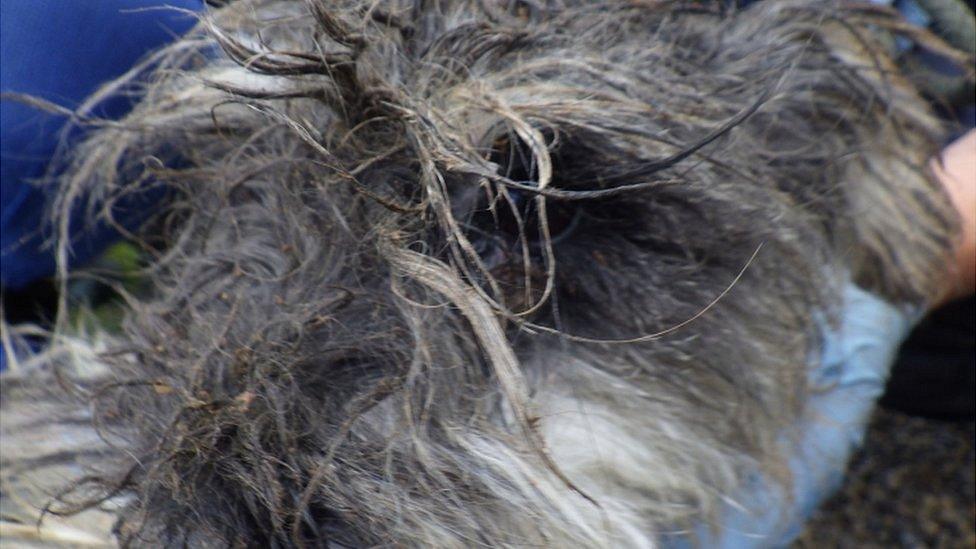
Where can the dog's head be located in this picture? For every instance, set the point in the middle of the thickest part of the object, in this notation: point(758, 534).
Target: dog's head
point(460, 273)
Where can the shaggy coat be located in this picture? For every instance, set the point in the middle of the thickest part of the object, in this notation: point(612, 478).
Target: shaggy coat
point(458, 273)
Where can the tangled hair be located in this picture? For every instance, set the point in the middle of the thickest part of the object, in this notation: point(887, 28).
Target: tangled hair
point(458, 273)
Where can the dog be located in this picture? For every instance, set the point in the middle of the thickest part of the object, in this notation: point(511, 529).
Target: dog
point(475, 273)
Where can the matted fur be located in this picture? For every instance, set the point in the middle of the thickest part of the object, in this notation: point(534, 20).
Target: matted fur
point(453, 274)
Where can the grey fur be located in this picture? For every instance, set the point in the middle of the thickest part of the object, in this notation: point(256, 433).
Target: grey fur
point(391, 262)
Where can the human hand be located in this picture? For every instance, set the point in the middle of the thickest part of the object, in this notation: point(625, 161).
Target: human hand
point(956, 169)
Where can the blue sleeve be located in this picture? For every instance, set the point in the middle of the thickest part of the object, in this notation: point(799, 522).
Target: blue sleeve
point(62, 51)
point(846, 379)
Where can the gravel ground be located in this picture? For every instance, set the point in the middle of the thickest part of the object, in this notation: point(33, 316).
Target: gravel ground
point(912, 485)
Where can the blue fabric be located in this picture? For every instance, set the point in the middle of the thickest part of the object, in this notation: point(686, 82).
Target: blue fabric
point(62, 51)
point(846, 378)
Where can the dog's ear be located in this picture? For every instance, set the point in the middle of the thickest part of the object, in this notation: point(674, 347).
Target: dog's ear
point(888, 185)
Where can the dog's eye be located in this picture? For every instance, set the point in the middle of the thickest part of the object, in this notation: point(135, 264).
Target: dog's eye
point(505, 219)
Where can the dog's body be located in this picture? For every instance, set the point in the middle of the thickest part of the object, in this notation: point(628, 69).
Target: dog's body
point(459, 273)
